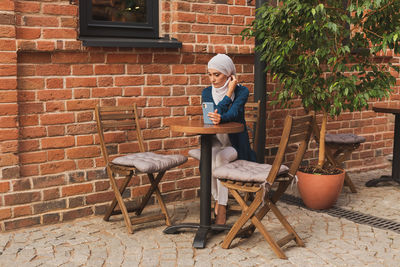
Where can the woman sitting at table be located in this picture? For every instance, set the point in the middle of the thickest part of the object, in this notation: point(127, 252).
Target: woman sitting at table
point(229, 99)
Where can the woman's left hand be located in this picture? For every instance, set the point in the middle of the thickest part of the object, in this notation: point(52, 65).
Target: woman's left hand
point(215, 117)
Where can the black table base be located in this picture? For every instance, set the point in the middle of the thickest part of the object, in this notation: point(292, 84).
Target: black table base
point(396, 158)
point(201, 234)
point(205, 226)
point(383, 178)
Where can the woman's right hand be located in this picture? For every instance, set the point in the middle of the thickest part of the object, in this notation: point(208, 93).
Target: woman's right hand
point(215, 117)
point(231, 86)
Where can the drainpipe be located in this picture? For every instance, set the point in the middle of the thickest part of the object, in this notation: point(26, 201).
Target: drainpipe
point(260, 89)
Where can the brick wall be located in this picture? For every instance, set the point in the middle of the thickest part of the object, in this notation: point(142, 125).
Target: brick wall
point(51, 167)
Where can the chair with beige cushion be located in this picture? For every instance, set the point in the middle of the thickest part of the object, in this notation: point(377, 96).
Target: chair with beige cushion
point(244, 176)
point(116, 126)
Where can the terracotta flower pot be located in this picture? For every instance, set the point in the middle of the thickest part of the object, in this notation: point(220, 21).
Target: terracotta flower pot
point(319, 191)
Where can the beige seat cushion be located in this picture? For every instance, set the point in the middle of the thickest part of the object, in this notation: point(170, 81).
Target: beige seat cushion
point(245, 171)
point(149, 162)
point(344, 138)
point(195, 153)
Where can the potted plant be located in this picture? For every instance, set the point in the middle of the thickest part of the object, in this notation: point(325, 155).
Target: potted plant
point(325, 53)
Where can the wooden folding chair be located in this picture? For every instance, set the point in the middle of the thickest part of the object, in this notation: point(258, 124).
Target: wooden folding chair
point(244, 176)
point(338, 148)
point(123, 121)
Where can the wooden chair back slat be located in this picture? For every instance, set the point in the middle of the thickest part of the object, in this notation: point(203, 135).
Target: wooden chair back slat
point(295, 130)
point(117, 118)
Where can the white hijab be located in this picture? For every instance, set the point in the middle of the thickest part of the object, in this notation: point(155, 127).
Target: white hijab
point(223, 64)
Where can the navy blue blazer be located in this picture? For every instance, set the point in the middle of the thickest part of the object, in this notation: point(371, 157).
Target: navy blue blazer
point(234, 111)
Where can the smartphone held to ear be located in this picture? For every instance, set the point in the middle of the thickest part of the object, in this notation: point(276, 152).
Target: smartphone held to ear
point(207, 107)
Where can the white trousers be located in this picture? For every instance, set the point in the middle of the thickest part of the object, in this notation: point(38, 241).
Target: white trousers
point(221, 156)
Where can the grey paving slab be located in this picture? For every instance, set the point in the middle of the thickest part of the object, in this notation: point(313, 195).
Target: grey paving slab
point(329, 241)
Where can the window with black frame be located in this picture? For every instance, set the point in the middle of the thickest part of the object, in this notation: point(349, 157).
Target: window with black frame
point(126, 23)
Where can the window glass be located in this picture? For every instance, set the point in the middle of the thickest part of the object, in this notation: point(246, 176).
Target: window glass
point(119, 10)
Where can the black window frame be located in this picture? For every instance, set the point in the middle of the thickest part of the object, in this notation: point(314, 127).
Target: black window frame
point(123, 34)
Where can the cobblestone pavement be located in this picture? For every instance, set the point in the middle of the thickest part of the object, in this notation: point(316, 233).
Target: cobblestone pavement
point(330, 241)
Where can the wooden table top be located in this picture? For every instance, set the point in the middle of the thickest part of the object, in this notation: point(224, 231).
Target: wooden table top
point(386, 107)
point(198, 127)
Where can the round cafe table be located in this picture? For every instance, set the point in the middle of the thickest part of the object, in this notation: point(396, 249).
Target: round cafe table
point(206, 131)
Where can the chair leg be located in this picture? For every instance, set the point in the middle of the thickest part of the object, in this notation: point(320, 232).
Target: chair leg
point(160, 199)
point(349, 183)
point(114, 202)
point(154, 189)
point(247, 213)
point(285, 223)
point(275, 247)
point(120, 201)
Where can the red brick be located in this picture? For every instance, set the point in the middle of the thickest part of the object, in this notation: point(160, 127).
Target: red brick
point(76, 189)
point(56, 154)
point(58, 142)
point(99, 197)
point(104, 81)
point(59, 33)
point(29, 170)
point(109, 69)
point(21, 184)
point(70, 10)
point(82, 104)
point(70, 57)
point(28, 33)
point(4, 187)
point(47, 206)
point(50, 218)
point(78, 213)
point(41, 21)
point(121, 58)
point(7, 31)
point(57, 167)
point(49, 194)
point(45, 45)
point(106, 92)
point(8, 159)
point(45, 95)
point(34, 58)
point(8, 83)
point(185, 17)
point(85, 163)
point(81, 82)
point(21, 223)
point(7, 45)
point(68, 22)
point(8, 57)
point(53, 70)
point(81, 129)
point(174, 80)
point(27, 7)
point(83, 152)
point(32, 132)
point(21, 198)
point(22, 211)
point(7, 5)
point(55, 130)
point(5, 214)
point(8, 134)
point(7, 97)
point(82, 69)
point(30, 83)
point(54, 83)
point(33, 157)
point(49, 119)
point(129, 80)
